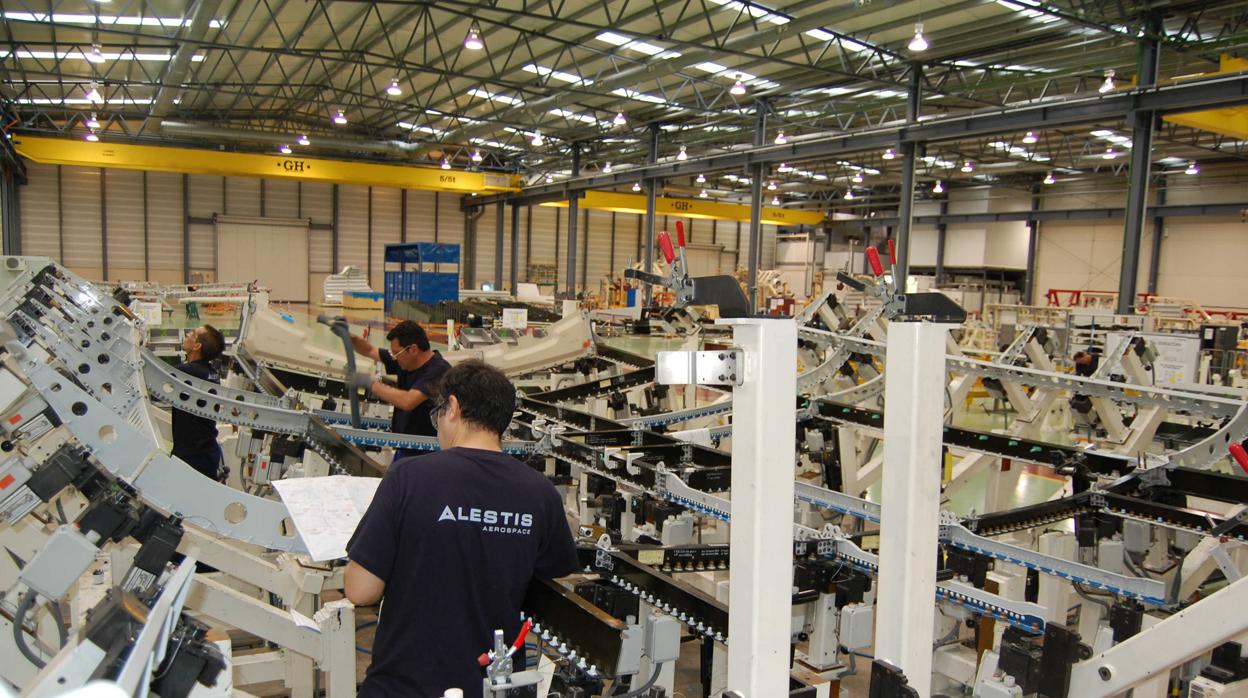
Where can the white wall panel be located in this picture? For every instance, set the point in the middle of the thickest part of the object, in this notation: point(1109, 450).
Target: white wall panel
point(386, 210)
point(542, 238)
point(204, 249)
point(964, 246)
point(595, 251)
point(421, 216)
point(487, 226)
point(164, 226)
point(1083, 256)
point(1203, 259)
point(207, 195)
point(281, 198)
point(242, 196)
point(317, 202)
point(923, 243)
point(450, 218)
point(123, 190)
point(626, 237)
point(1006, 245)
point(352, 226)
point(41, 217)
point(80, 201)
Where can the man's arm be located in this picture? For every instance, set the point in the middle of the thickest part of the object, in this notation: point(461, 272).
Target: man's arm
point(363, 588)
point(361, 346)
point(406, 400)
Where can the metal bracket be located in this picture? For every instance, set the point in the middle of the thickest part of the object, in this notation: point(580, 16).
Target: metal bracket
point(700, 367)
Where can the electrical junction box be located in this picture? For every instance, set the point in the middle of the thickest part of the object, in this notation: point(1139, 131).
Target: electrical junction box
point(857, 626)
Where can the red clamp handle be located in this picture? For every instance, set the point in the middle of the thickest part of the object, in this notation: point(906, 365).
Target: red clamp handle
point(665, 244)
point(892, 252)
point(873, 258)
point(524, 631)
point(680, 233)
point(1240, 455)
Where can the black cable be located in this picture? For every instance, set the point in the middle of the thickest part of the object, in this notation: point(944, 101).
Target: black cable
point(344, 332)
point(645, 686)
point(19, 638)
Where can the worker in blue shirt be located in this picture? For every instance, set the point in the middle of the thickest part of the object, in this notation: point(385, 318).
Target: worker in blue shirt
point(195, 437)
point(450, 543)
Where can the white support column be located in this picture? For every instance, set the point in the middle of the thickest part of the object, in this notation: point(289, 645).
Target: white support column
point(1054, 592)
point(763, 458)
point(911, 499)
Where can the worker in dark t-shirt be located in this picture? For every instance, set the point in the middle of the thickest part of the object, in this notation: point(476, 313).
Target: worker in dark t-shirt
point(451, 542)
point(419, 369)
point(195, 437)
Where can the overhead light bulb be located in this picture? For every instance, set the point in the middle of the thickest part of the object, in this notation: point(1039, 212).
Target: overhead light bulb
point(939, 188)
point(775, 201)
point(340, 118)
point(550, 178)
point(918, 43)
point(394, 90)
point(446, 164)
point(701, 178)
point(857, 178)
point(889, 154)
point(94, 96)
point(619, 119)
point(771, 185)
point(537, 139)
point(303, 139)
point(96, 55)
point(606, 168)
point(473, 41)
point(849, 194)
point(1049, 178)
point(93, 122)
point(682, 155)
point(1192, 168)
point(1030, 138)
point(784, 168)
point(636, 186)
point(1109, 153)
point(738, 87)
point(968, 167)
point(780, 139)
point(284, 149)
point(703, 194)
point(92, 137)
point(476, 156)
point(1108, 85)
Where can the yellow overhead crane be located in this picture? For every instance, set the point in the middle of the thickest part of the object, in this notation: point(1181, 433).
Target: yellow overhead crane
point(691, 208)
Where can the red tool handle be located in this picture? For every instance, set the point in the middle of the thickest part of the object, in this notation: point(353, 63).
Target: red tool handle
point(1240, 455)
point(665, 244)
point(892, 252)
point(680, 233)
point(873, 258)
point(524, 631)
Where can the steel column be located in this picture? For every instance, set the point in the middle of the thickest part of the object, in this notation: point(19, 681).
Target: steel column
point(942, 233)
point(901, 270)
point(756, 205)
point(186, 228)
point(911, 500)
point(1159, 232)
point(10, 212)
point(515, 248)
point(498, 247)
point(761, 535)
point(1137, 192)
point(573, 207)
point(1033, 242)
point(652, 186)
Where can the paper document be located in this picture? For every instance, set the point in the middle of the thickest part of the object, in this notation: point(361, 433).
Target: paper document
point(326, 510)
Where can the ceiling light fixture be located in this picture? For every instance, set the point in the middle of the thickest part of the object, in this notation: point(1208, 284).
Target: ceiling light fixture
point(889, 154)
point(394, 90)
point(606, 168)
point(477, 156)
point(446, 164)
point(92, 137)
point(1030, 138)
point(1049, 178)
point(771, 185)
point(303, 139)
point(849, 194)
point(537, 139)
point(1108, 85)
point(738, 87)
point(636, 186)
point(340, 118)
point(939, 188)
point(918, 43)
point(784, 168)
point(93, 122)
point(550, 178)
point(682, 155)
point(94, 96)
point(284, 149)
point(857, 178)
point(96, 55)
point(619, 119)
point(703, 194)
point(473, 41)
point(701, 178)
point(1192, 168)
point(780, 139)
point(968, 167)
point(775, 201)
point(1109, 153)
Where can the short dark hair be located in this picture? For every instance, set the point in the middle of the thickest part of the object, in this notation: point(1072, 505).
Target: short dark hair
point(409, 333)
point(212, 342)
point(486, 396)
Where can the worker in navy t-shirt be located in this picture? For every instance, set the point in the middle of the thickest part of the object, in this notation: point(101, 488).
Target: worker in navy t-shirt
point(419, 370)
point(451, 542)
point(195, 437)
